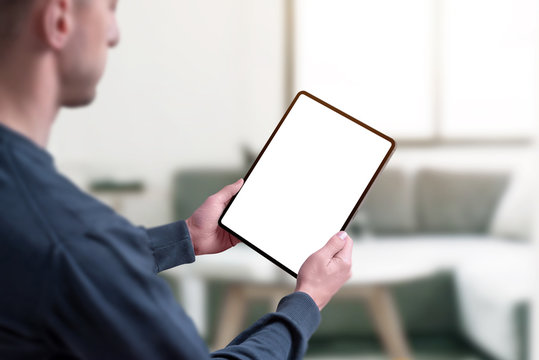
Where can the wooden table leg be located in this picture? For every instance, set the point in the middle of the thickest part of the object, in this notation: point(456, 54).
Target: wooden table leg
point(379, 302)
point(387, 322)
point(232, 316)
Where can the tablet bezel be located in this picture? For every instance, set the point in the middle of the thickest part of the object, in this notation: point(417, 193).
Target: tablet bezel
point(358, 203)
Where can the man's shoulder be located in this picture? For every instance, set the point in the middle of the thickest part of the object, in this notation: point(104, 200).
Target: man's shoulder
point(42, 208)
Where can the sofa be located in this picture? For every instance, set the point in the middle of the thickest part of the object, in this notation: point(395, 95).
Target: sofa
point(461, 223)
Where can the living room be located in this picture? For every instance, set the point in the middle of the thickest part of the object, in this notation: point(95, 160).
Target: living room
point(444, 266)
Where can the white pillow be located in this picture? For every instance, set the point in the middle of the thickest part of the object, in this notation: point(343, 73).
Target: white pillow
point(514, 218)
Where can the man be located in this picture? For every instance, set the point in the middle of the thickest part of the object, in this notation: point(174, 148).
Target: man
point(76, 279)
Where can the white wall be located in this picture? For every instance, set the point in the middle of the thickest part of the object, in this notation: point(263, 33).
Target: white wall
point(190, 82)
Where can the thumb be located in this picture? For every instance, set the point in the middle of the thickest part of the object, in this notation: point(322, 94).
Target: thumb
point(345, 254)
point(226, 193)
point(335, 244)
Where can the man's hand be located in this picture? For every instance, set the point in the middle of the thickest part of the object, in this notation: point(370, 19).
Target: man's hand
point(325, 271)
point(206, 235)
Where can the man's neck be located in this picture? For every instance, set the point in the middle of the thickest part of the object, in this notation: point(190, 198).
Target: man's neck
point(28, 98)
point(35, 131)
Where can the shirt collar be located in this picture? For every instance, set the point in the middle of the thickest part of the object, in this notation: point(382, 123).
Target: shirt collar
point(17, 139)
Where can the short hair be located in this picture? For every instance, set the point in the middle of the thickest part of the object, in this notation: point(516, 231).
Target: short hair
point(12, 16)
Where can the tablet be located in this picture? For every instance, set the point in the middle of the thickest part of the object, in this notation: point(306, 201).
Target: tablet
point(307, 182)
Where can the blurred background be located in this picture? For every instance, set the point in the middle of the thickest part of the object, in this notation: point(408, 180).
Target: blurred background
point(444, 263)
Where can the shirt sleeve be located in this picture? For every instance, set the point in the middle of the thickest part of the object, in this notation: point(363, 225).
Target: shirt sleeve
point(171, 245)
point(280, 335)
point(105, 302)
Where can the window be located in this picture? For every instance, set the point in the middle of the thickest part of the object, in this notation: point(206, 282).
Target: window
point(423, 69)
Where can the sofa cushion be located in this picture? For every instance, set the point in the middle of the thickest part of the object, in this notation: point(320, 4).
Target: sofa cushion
point(492, 289)
point(450, 201)
point(191, 187)
point(494, 277)
point(514, 216)
point(388, 207)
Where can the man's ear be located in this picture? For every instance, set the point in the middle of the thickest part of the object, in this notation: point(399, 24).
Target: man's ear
point(57, 22)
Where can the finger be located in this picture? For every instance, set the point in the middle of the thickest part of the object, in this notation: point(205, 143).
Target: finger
point(226, 193)
point(235, 241)
point(346, 252)
point(334, 245)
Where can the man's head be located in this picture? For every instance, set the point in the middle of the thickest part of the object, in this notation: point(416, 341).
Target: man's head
point(74, 34)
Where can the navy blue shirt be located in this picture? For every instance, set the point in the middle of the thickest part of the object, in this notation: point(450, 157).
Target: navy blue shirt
point(78, 281)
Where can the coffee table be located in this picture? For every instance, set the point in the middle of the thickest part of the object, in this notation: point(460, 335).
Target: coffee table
point(376, 268)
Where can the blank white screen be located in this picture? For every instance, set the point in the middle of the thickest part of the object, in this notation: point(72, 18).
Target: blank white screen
point(306, 183)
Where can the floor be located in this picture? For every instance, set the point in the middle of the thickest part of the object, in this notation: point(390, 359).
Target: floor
point(430, 349)
point(381, 357)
